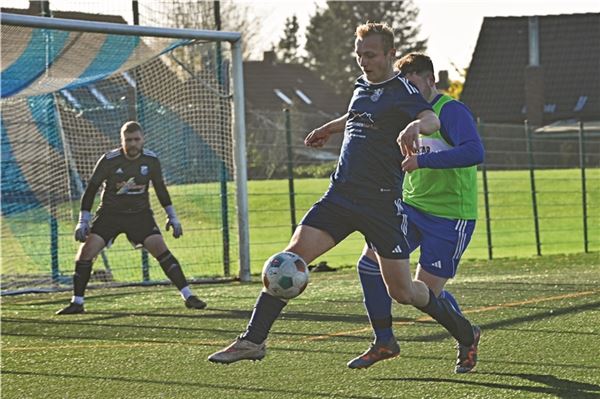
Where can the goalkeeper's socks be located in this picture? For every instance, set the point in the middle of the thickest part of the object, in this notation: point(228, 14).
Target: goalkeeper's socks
point(172, 269)
point(186, 292)
point(266, 310)
point(447, 295)
point(81, 277)
point(444, 313)
point(77, 299)
point(377, 301)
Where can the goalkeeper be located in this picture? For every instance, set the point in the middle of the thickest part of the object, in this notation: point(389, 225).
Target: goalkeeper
point(440, 200)
point(126, 173)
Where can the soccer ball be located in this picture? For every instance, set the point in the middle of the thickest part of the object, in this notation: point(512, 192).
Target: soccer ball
point(285, 275)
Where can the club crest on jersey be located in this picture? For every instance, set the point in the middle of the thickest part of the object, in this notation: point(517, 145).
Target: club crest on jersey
point(376, 94)
point(144, 170)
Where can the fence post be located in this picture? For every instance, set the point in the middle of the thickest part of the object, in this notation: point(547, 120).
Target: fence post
point(583, 186)
point(486, 198)
point(54, 241)
point(533, 191)
point(225, 219)
point(145, 266)
point(290, 168)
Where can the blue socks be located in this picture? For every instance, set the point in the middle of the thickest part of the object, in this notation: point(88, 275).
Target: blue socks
point(377, 301)
point(266, 311)
point(450, 298)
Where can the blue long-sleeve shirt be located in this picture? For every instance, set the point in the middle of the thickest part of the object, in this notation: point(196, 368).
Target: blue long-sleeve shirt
point(459, 130)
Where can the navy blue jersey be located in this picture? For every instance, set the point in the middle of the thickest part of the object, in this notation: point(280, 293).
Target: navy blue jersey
point(370, 158)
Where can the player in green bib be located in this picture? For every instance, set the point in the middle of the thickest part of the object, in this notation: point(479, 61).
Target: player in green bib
point(440, 209)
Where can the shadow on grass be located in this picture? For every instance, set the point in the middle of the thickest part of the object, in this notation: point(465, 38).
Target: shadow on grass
point(517, 320)
point(558, 387)
point(233, 388)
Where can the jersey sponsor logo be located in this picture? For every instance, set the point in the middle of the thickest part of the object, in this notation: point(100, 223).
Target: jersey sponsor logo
point(130, 187)
point(361, 117)
point(119, 171)
point(397, 250)
point(376, 95)
point(144, 170)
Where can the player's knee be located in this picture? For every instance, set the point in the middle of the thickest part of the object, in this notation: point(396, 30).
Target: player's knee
point(367, 266)
point(402, 295)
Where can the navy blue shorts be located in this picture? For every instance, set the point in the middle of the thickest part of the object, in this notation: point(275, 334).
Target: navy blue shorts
point(380, 222)
point(442, 241)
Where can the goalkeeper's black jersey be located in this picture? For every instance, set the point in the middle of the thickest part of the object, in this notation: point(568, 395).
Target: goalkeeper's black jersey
point(126, 183)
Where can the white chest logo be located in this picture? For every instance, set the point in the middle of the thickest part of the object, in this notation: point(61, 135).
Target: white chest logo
point(376, 94)
point(144, 170)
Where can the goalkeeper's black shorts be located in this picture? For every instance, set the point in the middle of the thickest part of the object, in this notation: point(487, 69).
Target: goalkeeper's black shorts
point(136, 226)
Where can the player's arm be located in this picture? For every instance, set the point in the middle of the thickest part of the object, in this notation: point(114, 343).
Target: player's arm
point(82, 230)
point(318, 137)
point(458, 128)
point(165, 201)
point(425, 123)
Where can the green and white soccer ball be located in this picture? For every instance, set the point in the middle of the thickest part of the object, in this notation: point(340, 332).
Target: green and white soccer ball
point(285, 275)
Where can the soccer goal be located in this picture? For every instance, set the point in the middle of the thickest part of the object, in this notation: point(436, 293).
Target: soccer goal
point(67, 87)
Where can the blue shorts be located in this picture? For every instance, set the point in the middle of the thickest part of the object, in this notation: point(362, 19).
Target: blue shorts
point(442, 240)
point(379, 221)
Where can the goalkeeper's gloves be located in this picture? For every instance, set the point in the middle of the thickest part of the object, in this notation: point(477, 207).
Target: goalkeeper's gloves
point(83, 226)
point(172, 221)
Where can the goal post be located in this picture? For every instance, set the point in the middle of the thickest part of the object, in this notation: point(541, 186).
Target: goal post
point(59, 119)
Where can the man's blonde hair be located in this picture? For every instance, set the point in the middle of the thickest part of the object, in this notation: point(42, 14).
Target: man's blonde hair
point(130, 127)
point(377, 28)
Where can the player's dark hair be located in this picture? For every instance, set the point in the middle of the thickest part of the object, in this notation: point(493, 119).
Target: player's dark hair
point(414, 62)
point(376, 28)
point(130, 127)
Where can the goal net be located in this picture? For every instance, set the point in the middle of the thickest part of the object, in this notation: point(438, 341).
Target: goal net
point(65, 95)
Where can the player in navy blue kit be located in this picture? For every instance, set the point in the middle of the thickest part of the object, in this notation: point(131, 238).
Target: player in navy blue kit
point(126, 174)
point(364, 194)
point(440, 200)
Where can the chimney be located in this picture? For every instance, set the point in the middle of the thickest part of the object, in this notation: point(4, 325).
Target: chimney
point(269, 57)
point(40, 7)
point(443, 82)
point(534, 77)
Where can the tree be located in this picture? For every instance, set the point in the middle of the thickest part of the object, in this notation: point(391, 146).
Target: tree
point(201, 15)
point(330, 36)
point(287, 49)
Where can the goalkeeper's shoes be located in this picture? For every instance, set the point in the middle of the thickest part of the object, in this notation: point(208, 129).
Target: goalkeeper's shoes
point(467, 355)
point(73, 308)
point(376, 352)
point(193, 302)
point(240, 349)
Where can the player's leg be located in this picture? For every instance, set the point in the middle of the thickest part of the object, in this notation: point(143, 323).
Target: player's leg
point(387, 237)
point(378, 304)
point(377, 301)
point(308, 243)
point(444, 241)
point(319, 231)
point(83, 270)
point(396, 274)
point(155, 244)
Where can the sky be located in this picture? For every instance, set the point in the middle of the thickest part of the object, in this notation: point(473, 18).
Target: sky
point(451, 26)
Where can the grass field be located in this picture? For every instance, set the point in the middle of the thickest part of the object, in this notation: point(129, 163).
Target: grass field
point(541, 337)
point(26, 244)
